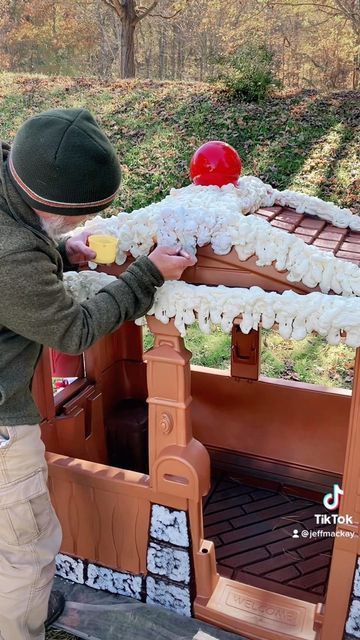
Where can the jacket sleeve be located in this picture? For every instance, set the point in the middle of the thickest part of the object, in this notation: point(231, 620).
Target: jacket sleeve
point(35, 304)
point(62, 250)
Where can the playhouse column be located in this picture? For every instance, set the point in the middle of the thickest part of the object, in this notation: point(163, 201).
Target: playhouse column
point(169, 384)
point(346, 551)
point(180, 563)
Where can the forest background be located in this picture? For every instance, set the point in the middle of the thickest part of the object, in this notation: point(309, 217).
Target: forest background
point(313, 43)
point(277, 79)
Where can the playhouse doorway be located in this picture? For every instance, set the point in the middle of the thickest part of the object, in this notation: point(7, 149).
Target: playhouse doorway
point(276, 447)
point(258, 527)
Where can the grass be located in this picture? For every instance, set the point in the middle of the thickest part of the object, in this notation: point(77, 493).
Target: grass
point(208, 351)
point(306, 141)
point(310, 360)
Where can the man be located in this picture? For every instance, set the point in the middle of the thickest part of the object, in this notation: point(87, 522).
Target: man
point(60, 170)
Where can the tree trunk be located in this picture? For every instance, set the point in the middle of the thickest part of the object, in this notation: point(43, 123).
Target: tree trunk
point(180, 56)
point(356, 66)
point(117, 53)
point(162, 47)
point(173, 51)
point(126, 24)
point(127, 48)
point(106, 55)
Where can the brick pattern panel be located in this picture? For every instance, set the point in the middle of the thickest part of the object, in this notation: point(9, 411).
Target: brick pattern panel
point(253, 528)
point(343, 243)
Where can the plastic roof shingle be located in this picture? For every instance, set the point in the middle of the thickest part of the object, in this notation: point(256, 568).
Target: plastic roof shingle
point(343, 243)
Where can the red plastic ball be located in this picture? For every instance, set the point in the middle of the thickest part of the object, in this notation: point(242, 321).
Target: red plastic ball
point(215, 163)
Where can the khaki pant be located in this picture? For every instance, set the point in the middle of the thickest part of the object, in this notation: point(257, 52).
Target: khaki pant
point(30, 534)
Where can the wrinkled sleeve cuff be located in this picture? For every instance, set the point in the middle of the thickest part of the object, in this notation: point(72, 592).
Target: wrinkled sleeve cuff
point(148, 270)
point(62, 250)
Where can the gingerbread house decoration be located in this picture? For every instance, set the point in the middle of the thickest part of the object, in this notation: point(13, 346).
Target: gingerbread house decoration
point(208, 516)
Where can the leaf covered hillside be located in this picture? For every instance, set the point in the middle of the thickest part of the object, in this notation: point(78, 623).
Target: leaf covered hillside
point(306, 141)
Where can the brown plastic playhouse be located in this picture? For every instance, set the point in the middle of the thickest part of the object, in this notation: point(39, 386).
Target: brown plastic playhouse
point(183, 485)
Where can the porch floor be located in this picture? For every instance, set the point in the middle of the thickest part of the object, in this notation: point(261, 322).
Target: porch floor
point(252, 526)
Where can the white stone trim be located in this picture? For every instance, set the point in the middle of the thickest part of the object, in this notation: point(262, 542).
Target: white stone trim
point(169, 561)
point(357, 580)
point(98, 577)
point(353, 621)
point(169, 525)
point(105, 579)
point(70, 568)
point(168, 595)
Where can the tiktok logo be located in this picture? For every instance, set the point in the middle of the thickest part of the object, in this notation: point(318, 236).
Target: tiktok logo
point(332, 500)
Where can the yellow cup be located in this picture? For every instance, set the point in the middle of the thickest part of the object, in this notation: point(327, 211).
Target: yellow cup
point(105, 247)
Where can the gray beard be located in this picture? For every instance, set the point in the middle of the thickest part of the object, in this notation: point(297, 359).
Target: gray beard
point(56, 228)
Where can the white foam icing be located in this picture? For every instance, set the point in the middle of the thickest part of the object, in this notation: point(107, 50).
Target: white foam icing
point(328, 211)
point(194, 216)
point(85, 284)
point(296, 315)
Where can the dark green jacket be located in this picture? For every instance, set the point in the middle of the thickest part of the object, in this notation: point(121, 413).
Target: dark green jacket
point(36, 310)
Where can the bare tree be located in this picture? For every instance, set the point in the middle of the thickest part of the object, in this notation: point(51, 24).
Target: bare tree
point(349, 10)
point(130, 14)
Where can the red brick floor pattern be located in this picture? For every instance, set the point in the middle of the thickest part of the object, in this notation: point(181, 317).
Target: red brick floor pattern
point(252, 529)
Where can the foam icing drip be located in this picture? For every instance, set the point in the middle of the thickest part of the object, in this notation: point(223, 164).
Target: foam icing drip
point(328, 211)
point(195, 216)
point(296, 315)
point(85, 284)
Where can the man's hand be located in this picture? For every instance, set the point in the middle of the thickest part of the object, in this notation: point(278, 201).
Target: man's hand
point(77, 249)
point(171, 261)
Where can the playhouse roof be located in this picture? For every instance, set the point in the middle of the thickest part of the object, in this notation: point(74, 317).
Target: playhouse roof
point(343, 243)
point(256, 240)
point(282, 239)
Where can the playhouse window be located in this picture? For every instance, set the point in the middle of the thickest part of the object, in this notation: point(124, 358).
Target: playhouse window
point(148, 339)
point(65, 369)
point(211, 351)
point(311, 360)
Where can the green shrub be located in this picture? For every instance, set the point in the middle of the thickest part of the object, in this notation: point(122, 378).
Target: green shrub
point(248, 74)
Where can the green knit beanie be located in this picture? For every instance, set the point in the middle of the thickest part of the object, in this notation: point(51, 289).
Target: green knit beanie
point(62, 162)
